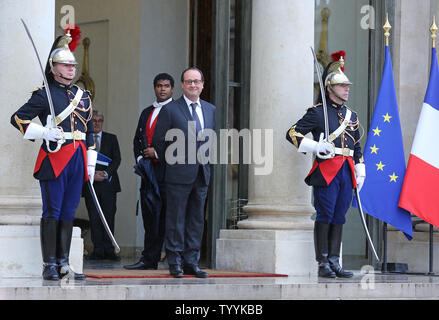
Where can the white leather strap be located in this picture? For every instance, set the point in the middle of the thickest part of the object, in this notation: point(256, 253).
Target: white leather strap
point(342, 127)
point(73, 104)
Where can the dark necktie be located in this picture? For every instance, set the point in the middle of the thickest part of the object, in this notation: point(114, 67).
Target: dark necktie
point(97, 142)
point(195, 117)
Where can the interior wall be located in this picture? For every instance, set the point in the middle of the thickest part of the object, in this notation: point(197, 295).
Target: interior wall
point(137, 39)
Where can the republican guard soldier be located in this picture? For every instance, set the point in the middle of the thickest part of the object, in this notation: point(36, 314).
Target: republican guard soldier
point(66, 158)
point(337, 168)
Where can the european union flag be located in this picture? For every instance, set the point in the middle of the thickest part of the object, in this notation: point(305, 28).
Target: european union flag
point(384, 158)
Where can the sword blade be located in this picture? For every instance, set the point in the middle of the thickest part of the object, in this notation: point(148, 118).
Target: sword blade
point(46, 85)
point(101, 215)
point(322, 92)
point(363, 222)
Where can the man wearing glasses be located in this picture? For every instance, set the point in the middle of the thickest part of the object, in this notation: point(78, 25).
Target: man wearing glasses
point(106, 184)
point(186, 181)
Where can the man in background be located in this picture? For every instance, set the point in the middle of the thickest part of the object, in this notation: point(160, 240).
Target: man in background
point(106, 185)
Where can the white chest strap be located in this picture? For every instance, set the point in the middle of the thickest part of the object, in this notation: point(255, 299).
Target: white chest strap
point(342, 127)
point(73, 104)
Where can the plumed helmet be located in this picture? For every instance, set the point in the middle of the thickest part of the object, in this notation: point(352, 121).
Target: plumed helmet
point(63, 48)
point(333, 73)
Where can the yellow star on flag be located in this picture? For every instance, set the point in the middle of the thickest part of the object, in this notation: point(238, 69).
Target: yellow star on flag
point(374, 149)
point(380, 166)
point(376, 132)
point(393, 177)
point(387, 118)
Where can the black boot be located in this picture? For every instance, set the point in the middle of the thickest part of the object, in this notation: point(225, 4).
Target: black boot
point(321, 231)
point(64, 241)
point(48, 228)
point(335, 236)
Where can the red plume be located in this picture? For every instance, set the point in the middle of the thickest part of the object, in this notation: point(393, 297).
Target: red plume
point(75, 33)
point(335, 56)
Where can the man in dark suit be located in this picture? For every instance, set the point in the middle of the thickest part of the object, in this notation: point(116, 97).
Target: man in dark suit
point(143, 148)
point(106, 184)
point(187, 180)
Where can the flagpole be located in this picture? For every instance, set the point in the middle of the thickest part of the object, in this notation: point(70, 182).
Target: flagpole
point(384, 266)
point(386, 28)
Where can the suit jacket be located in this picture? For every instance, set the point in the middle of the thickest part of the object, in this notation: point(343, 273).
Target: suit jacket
point(110, 148)
point(176, 115)
point(139, 143)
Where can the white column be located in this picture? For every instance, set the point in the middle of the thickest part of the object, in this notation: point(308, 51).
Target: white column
point(277, 236)
point(20, 197)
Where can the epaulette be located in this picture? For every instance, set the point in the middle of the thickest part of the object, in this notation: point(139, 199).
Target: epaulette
point(37, 89)
point(316, 105)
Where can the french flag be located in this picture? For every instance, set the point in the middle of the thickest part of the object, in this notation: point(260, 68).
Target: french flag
point(419, 193)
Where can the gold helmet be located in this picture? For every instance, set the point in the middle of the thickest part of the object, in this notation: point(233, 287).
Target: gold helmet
point(63, 48)
point(62, 53)
point(335, 74)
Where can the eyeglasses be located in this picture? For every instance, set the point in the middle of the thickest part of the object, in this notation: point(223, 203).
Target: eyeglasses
point(100, 120)
point(196, 82)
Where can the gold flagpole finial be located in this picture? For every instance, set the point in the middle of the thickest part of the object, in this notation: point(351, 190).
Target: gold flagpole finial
point(387, 28)
point(433, 30)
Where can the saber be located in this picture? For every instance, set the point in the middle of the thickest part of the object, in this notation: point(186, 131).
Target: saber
point(49, 97)
point(101, 215)
point(322, 92)
point(363, 222)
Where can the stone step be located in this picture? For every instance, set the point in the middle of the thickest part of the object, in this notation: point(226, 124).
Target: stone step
point(361, 286)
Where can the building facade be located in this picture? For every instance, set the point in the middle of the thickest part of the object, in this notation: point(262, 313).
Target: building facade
point(259, 73)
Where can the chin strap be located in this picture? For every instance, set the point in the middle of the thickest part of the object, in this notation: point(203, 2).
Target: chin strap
point(56, 72)
point(60, 75)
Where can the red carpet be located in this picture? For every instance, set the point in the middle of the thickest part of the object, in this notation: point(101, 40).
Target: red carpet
point(122, 273)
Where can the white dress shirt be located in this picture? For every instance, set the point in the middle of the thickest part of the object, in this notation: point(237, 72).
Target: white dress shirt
point(157, 107)
point(197, 109)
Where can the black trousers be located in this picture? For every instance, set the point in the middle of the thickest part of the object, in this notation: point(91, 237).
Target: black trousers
point(153, 241)
point(107, 199)
point(185, 221)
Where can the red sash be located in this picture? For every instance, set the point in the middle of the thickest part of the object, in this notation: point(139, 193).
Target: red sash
point(329, 168)
point(59, 160)
point(149, 130)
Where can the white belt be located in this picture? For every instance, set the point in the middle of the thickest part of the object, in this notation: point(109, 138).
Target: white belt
point(75, 135)
point(344, 151)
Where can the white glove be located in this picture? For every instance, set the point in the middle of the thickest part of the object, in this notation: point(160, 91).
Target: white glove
point(92, 156)
point(360, 175)
point(37, 131)
point(324, 149)
point(52, 134)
